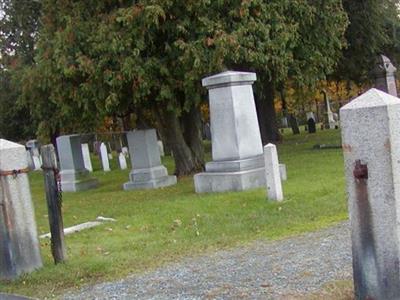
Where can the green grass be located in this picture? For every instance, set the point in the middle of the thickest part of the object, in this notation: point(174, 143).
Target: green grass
point(155, 227)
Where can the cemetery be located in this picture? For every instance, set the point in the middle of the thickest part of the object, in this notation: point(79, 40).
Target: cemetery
point(199, 150)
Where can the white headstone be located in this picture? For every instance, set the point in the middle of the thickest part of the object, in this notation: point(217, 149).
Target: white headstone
point(161, 147)
point(86, 157)
point(104, 157)
point(237, 152)
point(19, 246)
point(283, 172)
point(272, 174)
point(371, 146)
point(125, 151)
point(122, 161)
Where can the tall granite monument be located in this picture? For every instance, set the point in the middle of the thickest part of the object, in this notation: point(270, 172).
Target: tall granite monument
point(237, 152)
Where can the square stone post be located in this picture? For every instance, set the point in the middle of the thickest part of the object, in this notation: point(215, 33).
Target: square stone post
point(371, 146)
point(237, 151)
point(147, 170)
point(19, 244)
point(74, 176)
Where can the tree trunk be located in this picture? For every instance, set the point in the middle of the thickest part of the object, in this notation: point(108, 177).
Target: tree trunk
point(266, 114)
point(192, 127)
point(171, 130)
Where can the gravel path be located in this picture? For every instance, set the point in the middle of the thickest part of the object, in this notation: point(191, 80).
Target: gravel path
point(263, 270)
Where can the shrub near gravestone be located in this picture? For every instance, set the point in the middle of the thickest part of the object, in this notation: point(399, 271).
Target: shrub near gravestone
point(371, 146)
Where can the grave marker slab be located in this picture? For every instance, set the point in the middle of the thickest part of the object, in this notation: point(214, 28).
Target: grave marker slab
point(86, 157)
point(104, 157)
point(19, 245)
point(122, 161)
point(237, 152)
point(147, 170)
point(272, 173)
point(74, 175)
point(371, 146)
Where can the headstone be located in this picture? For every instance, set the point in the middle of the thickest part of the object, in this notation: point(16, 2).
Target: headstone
point(125, 151)
point(272, 173)
point(19, 245)
point(104, 157)
point(207, 131)
point(31, 164)
point(147, 170)
point(86, 157)
point(161, 147)
point(385, 75)
point(310, 115)
point(294, 124)
point(74, 175)
point(329, 122)
point(283, 172)
point(122, 161)
point(37, 162)
point(285, 122)
point(33, 147)
point(311, 126)
point(371, 146)
point(237, 151)
point(109, 150)
point(96, 147)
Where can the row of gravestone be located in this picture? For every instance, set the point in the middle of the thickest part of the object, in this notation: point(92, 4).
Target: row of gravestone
point(238, 155)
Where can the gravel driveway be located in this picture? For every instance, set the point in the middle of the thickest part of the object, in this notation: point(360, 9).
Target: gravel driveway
point(263, 270)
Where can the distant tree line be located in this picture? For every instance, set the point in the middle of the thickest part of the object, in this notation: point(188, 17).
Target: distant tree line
point(67, 65)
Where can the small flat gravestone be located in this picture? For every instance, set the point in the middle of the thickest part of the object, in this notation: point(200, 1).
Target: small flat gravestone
point(74, 175)
point(147, 170)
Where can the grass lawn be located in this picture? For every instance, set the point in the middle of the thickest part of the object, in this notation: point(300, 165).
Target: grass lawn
point(155, 227)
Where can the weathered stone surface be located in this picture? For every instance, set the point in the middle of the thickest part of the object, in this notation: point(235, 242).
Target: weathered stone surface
point(19, 246)
point(272, 173)
point(147, 170)
point(236, 143)
point(86, 157)
point(74, 175)
point(104, 157)
point(283, 172)
point(122, 161)
point(371, 145)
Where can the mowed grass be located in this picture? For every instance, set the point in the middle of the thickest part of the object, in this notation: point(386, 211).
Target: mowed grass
point(155, 227)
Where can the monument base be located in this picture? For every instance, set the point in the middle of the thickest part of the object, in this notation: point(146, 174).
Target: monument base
point(233, 175)
point(74, 181)
point(149, 178)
